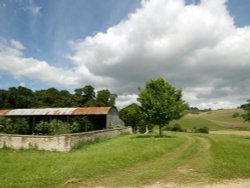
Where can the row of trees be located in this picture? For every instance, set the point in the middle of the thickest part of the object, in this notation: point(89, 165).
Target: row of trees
point(22, 97)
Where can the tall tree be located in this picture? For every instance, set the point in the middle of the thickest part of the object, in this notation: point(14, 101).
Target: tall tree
point(105, 98)
point(20, 97)
point(3, 99)
point(161, 103)
point(89, 96)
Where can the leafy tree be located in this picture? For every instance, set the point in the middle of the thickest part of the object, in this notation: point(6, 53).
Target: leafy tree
point(105, 98)
point(3, 99)
point(246, 108)
point(132, 115)
point(161, 103)
point(85, 96)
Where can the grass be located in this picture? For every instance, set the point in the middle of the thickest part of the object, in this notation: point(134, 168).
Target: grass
point(44, 169)
point(134, 160)
point(191, 121)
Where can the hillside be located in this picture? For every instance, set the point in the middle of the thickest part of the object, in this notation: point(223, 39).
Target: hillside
point(215, 120)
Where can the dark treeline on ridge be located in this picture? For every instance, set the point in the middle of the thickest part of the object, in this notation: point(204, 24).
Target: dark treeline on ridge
point(22, 97)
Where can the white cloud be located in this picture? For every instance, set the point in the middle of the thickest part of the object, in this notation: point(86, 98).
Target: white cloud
point(13, 61)
point(196, 47)
point(125, 100)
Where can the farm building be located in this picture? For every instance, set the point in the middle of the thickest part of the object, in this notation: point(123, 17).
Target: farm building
point(100, 117)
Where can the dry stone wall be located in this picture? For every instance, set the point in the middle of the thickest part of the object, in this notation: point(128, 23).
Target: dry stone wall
point(63, 143)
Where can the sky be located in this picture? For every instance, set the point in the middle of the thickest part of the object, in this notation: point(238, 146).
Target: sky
point(199, 46)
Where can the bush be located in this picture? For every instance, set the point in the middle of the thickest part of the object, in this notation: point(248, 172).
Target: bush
point(74, 127)
point(235, 115)
point(42, 128)
point(2, 122)
point(21, 126)
point(177, 128)
point(9, 126)
point(201, 130)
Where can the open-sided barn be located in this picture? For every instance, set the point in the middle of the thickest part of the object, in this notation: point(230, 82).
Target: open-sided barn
point(101, 117)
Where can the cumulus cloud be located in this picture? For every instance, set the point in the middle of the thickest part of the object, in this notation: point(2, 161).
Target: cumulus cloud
point(12, 60)
point(195, 47)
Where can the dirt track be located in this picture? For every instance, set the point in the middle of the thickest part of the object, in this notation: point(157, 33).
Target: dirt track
point(231, 132)
point(238, 183)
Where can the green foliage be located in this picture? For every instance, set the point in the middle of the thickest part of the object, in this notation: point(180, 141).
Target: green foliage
point(235, 115)
point(177, 128)
point(246, 108)
point(2, 122)
point(54, 127)
point(58, 127)
point(201, 130)
point(42, 128)
point(75, 127)
point(22, 97)
point(161, 103)
point(133, 116)
point(14, 126)
point(105, 98)
point(9, 126)
point(21, 126)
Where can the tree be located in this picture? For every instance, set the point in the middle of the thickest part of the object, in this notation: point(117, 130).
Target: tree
point(20, 97)
point(246, 108)
point(105, 98)
point(161, 103)
point(132, 115)
point(85, 96)
point(3, 99)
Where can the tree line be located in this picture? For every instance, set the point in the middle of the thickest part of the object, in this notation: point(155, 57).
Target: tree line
point(23, 97)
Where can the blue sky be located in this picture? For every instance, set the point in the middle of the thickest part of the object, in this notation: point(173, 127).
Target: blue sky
point(46, 26)
point(68, 44)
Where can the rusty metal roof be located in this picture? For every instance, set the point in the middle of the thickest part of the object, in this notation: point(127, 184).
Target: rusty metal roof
point(56, 111)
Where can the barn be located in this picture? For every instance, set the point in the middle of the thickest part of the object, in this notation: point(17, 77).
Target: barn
point(100, 117)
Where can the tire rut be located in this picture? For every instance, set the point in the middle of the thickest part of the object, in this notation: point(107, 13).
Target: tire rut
point(138, 173)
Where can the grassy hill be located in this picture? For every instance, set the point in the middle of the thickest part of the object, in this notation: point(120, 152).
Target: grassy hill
point(137, 160)
point(214, 120)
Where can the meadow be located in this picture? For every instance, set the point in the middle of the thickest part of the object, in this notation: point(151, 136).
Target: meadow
point(138, 160)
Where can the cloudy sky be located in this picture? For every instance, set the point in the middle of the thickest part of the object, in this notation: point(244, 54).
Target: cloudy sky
point(201, 47)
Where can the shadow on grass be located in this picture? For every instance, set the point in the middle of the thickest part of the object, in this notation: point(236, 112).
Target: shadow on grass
point(151, 136)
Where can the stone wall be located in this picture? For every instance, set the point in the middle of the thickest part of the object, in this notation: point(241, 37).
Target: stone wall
point(61, 143)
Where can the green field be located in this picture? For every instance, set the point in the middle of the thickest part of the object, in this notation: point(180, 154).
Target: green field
point(135, 160)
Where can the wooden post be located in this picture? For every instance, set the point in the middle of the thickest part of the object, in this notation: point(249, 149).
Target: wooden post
point(33, 124)
point(67, 119)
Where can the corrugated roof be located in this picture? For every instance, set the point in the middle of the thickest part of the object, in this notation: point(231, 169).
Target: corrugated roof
point(56, 111)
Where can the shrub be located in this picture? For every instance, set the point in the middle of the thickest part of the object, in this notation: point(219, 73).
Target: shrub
point(74, 127)
point(177, 127)
point(58, 127)
point(9, 127)
point(21, 126)
point(42, 128)
point(202, 130)
point(2, 122)
point(235, 115)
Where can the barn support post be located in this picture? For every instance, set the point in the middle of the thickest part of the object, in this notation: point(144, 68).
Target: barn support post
point(67, 119)
point(33, 124)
